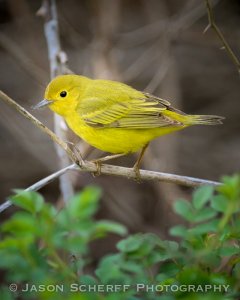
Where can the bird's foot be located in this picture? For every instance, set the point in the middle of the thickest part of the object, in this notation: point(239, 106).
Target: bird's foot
point(98, 164)
point(137, 164)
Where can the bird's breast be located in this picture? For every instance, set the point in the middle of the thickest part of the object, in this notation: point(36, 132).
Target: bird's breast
point(113, 140)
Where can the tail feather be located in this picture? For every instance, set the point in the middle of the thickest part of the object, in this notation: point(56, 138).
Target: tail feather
point(203, 120)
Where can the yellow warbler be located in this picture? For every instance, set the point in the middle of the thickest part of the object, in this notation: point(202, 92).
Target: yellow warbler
point(113, 116)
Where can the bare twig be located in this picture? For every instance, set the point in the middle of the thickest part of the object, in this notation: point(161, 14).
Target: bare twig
point(88, 166)
point(40, 125)
point(57, 57)
point(212, 24)
point(38, 185)
point(129, 173)
point(58, 65)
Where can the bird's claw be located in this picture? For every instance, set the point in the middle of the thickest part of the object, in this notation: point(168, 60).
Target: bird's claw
point(98, 164)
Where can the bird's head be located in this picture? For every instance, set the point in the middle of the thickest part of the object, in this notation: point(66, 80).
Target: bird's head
point(62, 94)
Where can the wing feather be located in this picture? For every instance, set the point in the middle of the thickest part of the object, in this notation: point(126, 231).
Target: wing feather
point(136, 113)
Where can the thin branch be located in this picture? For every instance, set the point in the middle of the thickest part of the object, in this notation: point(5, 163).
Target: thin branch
point(227, 47)
point(129, 173)
point(38, 185)
point(91, 167)
point(57, 57)
point(58, 66)
point(39, 124)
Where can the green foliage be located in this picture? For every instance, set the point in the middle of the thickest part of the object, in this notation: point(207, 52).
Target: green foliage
point(47, 252)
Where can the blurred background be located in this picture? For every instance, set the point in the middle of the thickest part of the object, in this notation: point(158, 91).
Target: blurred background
point(153, 45)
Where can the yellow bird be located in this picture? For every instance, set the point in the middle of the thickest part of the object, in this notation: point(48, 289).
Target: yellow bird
point(115, 117)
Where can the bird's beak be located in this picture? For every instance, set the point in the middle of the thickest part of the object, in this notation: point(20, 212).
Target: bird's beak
point(42, 103)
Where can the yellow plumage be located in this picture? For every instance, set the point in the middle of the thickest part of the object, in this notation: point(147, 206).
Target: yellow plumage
point(114, 117)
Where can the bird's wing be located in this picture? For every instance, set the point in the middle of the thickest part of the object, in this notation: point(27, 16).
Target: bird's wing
point(136, 113)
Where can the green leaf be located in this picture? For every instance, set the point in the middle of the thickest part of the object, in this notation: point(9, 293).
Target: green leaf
point(201, 196)
point(75, 244)
point(140, 245)
point(184, 209)
point(28, 200)
point(130, 244)
point(230, 187)
point(156, 257)
point(204, 228)
point(21, 223)
point(167, 250)
point(178, 230)
point(103, 227)
point(219, 203)
point(109, 269)
point(204, 214)
point(169, 246)
point(132, 266)
point(84, 204)
point(229, 251)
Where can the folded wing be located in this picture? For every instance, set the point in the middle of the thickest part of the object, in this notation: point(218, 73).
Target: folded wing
point(132, 113)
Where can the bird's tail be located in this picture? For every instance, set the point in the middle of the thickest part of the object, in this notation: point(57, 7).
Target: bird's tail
point(203, 120)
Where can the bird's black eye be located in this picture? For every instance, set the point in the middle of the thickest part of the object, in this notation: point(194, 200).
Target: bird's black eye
point(63, 94)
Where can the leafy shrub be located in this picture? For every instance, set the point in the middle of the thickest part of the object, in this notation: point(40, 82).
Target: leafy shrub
point(47, 252)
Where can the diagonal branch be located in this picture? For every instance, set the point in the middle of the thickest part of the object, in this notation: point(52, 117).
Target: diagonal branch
point(212, 24)
point(38, 185)
point(39, 124)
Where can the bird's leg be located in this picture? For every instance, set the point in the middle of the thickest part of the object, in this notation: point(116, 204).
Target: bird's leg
point(108, 157)
point(99, 161)
point(138, 162)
